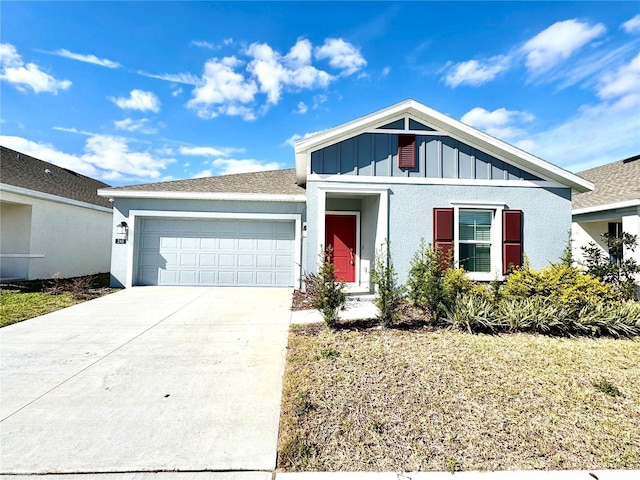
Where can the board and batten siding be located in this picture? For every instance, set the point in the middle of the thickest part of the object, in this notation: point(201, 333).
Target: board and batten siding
point(376, 154)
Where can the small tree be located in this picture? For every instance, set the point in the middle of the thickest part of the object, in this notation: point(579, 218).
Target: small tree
point(567, 253)
point(390, 294)
point(426, 279)
point(330, 297)
point(612, 268)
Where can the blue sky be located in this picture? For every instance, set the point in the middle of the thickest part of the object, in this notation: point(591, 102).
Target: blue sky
point(150, 91)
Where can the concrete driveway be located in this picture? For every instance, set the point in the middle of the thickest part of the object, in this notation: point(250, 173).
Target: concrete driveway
point(146, 379)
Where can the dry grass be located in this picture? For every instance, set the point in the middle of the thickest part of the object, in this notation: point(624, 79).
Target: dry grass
point(392, 400)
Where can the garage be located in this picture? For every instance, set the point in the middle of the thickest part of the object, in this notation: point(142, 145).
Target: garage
point(217, 252)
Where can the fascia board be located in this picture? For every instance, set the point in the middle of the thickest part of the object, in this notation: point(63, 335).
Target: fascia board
point(247, 197)
point(4, 187)
point(608, 206)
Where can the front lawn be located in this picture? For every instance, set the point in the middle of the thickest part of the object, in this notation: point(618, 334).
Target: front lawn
point(24, 300)
point(421, 400)
point(16, 306)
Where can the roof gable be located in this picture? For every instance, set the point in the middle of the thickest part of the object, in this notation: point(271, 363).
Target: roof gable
point(415, 114)
point(30, 173)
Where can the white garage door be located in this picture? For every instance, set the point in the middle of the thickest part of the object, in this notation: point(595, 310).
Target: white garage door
point(216, 252)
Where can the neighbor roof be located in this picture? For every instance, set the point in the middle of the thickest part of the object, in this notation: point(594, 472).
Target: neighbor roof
point(439, 122)
point(615, 183)
point(281, 183)
point(24, 171)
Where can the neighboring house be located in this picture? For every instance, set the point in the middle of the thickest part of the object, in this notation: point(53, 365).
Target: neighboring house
point(52, 220)
point(612, 207)
point(402, 173)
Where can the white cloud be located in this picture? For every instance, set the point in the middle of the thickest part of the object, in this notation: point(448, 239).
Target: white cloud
point(291, 141)
point(632, 25)
point(204, 44)
point(137, 125)
point(185, 78)
point(228, 166)
point(385, 71)
point(138, 100)
point(203, 174)
point(73, 130)
point(105, 157)
point(103, 62)
point(558, 42)
point(301, 108)
point(622, 85)
point(501, 123)
point(14, 71)
point(599, 133)
point(176, 92)
point(342, 55)
point(223, 90)
point(209, 151)
point(275, 72)
point(474, 73)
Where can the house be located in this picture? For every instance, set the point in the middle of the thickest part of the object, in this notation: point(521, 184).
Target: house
point(52, 220)
point(401, 173)
point(612, 207)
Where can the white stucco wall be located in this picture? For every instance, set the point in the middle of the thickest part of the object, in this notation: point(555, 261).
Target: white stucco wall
point(68, 239)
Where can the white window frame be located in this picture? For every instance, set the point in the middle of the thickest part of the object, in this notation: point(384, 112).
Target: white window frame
point(496, 237)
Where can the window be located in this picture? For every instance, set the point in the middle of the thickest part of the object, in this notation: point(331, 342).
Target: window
point(484, 238)
point(474, 240)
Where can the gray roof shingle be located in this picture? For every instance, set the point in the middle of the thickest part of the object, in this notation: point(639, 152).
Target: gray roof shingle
point(20, 170)
point(615, 182)
point(274, 182)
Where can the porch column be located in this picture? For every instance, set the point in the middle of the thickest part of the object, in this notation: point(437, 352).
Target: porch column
point(631, 225)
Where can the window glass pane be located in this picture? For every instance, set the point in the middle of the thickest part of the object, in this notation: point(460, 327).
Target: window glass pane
point(475, 258)
point(475, 225)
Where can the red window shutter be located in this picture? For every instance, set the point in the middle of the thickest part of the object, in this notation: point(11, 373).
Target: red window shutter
point(511, 239)
point(443, 232)
point(406, 151)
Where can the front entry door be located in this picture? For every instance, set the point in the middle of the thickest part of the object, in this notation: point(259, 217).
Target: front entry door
point(341, 237)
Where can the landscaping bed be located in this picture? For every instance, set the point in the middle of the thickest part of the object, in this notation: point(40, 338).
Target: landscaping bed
point(362, 398)
point(24, 300)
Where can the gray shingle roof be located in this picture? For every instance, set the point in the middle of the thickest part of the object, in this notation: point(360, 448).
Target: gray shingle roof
point(274, 182)
point(615, 182)
point(20, 170)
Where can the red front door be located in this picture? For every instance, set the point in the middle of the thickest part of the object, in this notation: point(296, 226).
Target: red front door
point(341, 237)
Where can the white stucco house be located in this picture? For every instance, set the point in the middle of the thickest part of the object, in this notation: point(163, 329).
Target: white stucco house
point(52, 221)
point(612, 207)
point(402, 173)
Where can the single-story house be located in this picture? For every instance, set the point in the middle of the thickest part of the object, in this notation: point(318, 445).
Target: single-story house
point(612, 207)
point(52, 221)
point(400, 174)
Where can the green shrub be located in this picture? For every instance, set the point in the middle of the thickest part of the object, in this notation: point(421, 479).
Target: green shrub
point(617, 319)
point(456, 282)
point(532, 314)
point(390, 294)
point(619, 274)
point(426, 280)
point(330, 294)
point(566, 286)
point(473, 313)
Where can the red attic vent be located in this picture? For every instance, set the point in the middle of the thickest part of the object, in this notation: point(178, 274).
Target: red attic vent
point(406, 151)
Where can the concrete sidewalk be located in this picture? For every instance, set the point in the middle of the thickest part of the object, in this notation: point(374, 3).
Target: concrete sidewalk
point(146, 379)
